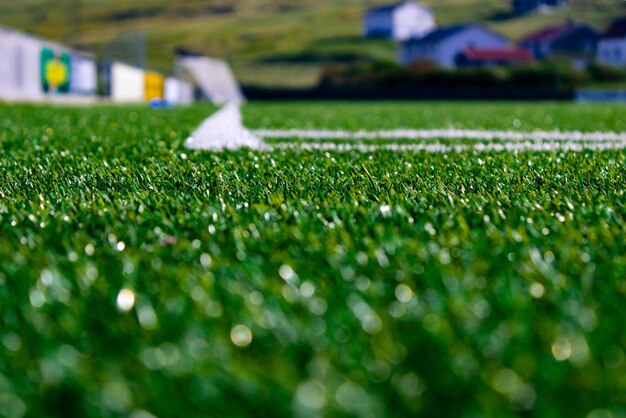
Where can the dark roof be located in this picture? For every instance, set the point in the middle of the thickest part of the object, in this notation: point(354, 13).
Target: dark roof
point(551, 33)
point(392, 6)
point(445, 32)
point(498, 54)
point(617, 28)
point(548, 33)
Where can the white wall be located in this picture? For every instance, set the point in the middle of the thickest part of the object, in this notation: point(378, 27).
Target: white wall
point(127, 83)
point(412, 21)
point(445, 52)
point(612, 52)
point(178, 91)
point(84, 75)
point(20, 66)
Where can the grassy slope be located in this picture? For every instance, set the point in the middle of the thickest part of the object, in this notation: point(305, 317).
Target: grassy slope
point(257, 30)
point(421, 309)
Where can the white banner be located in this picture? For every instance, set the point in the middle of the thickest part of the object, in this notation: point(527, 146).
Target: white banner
point(20, 66)
point(178, 91)
point(84, 76)
point(127, 83)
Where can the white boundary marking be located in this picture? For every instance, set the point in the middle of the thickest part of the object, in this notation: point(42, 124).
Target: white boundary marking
point(224, 130)
point(448, 148)
point(478, 135)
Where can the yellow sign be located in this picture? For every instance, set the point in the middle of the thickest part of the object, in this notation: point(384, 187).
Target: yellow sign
point(155, 84)
point(56, 72)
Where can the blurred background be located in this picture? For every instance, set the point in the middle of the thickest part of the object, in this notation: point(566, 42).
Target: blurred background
point(268, 42)
point(305, 44)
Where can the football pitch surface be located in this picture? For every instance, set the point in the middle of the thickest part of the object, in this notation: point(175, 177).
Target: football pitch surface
point(375, 260)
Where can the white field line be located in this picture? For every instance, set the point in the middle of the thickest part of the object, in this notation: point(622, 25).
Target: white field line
point(445, 148)
point(477, 135)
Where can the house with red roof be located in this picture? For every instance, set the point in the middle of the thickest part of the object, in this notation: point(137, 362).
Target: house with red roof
point(574, 41)
point(443, 46)
point(612, 46)
point(489, 57)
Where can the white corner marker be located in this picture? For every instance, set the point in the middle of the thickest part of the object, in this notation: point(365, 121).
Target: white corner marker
point(224, 131)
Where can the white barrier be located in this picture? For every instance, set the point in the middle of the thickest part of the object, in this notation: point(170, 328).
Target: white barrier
point(23, 70)
point(178, 91)
point(127, 83)
point(20, 66)
point(84, 76)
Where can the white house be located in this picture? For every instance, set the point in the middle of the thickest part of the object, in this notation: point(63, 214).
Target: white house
point(399, 21)
point(445, 45)
point(612, 47)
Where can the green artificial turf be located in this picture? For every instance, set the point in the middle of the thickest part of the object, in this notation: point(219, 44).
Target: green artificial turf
point(372, 285)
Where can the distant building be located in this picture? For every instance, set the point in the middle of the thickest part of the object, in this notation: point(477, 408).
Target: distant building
point(612, 46)
point(35, 69)
point(575, 41)
point(399, 21)
point(488, 57)
point(524, 6)
point(445, 45)
point(129, 84)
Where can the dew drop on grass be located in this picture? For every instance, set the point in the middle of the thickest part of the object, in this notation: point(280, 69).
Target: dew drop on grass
point(125, 300)
point(12, 342)
point(311, 394)
point(561, 349)
point(372, 324)
point(286, 272)
point(37, 298)
point(241, 335)
point(537, 290)
point(205, 260)
point(404, 293)
point(147, 317)
point(307, 290)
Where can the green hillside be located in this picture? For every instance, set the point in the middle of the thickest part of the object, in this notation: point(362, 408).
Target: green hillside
point(271, 42)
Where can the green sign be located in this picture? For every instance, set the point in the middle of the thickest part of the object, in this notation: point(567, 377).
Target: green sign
point(55, 71)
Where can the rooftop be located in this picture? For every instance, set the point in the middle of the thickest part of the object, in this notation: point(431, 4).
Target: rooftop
point(445, 32)
point(617, 28)
point(498, 54)
point(552, 32)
